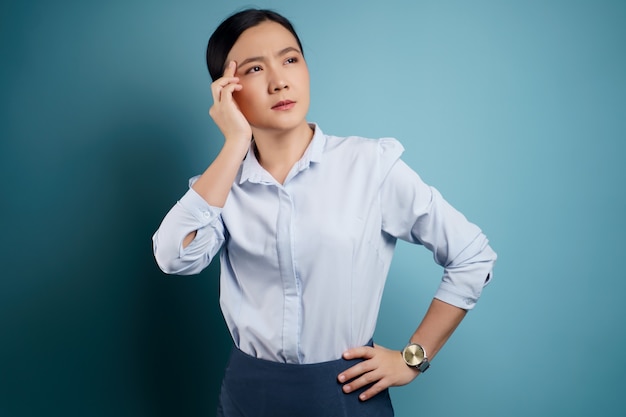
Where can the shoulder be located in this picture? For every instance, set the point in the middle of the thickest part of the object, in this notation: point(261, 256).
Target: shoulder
point(365, 145)
point(378, 154)
point(371, 153)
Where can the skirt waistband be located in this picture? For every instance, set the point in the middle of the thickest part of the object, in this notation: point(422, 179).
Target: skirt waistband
point(260, 388)
point(300, 367)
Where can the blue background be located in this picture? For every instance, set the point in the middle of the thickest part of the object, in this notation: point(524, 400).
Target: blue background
point(515, 110)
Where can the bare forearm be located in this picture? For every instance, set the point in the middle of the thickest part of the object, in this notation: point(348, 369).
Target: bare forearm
point(438, 324)
point(386, 366)
point(215, 183)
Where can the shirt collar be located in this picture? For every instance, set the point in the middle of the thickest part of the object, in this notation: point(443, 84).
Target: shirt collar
point(253, 171)
point(317, 145)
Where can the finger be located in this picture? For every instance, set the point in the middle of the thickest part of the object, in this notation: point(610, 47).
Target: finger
point(364, 352)
point(227, 79)
point(356, 371)
point(375, 389)
point(223, 82)
point(365, 379)
point(227, 92)
point(219, 85)
point(230, 70)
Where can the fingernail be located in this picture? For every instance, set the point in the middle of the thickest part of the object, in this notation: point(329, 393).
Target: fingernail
point(346, 388)
point(362, 397)
point(342, 378)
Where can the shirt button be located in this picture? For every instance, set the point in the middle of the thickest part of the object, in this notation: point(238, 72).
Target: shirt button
point(206, 214)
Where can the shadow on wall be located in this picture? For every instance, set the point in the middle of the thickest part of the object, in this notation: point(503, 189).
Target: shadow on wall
point(90, 325)
point(179, 340)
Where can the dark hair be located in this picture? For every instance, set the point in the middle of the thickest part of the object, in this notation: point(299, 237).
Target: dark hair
point(227, 33)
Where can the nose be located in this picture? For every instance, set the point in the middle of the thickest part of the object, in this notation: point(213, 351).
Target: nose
point(281, 85)
point(277, 82)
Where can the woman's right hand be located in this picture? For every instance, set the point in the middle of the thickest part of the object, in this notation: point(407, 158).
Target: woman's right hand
point(215, 183)
point(225, 111)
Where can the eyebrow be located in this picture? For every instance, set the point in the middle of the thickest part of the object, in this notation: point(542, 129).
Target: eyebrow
point(262, 59)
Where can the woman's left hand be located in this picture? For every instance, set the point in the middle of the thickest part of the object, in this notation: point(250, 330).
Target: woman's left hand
point(381, 367)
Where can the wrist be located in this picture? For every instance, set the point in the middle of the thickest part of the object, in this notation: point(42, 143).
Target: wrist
point(236, 148)
point(415, 357)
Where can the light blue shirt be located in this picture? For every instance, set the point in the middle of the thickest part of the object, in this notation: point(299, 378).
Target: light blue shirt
point(303, 264)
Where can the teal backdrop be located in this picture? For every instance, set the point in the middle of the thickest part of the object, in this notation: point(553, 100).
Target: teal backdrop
point(514, 110)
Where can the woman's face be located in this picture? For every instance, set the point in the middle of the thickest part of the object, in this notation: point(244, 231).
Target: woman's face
point(274, 76)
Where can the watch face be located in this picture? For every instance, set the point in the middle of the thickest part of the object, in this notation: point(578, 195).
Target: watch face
point(413, 354)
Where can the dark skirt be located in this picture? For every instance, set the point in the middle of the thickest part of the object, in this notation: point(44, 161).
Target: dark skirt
point(260, 388)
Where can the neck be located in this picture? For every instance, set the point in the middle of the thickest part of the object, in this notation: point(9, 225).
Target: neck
point(277, 152)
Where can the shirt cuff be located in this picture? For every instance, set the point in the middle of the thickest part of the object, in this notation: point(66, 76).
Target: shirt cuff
point(452, 298)
point(197, 206)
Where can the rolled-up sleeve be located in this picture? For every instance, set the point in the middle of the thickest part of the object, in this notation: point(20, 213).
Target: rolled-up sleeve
point(417, 213)
point(191, 213)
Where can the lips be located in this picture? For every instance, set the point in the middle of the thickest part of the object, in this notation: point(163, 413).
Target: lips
point(284, 105)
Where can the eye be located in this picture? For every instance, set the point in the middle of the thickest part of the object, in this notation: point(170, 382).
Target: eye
point(291, 60)
point(256, 68)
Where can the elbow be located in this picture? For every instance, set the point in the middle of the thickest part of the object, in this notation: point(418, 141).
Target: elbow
point(176, 266)
point(167, 266)
point(173, 259)
point(170, 262)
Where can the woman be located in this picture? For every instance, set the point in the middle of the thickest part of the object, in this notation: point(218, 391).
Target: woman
point(307, 224)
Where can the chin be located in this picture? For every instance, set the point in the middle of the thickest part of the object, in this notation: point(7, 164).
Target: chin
point(281, 125)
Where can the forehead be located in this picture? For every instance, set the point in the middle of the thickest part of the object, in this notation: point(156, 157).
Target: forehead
point(263, 39)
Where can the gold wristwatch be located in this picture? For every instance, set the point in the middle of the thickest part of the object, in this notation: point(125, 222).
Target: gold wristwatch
point(414, 356)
